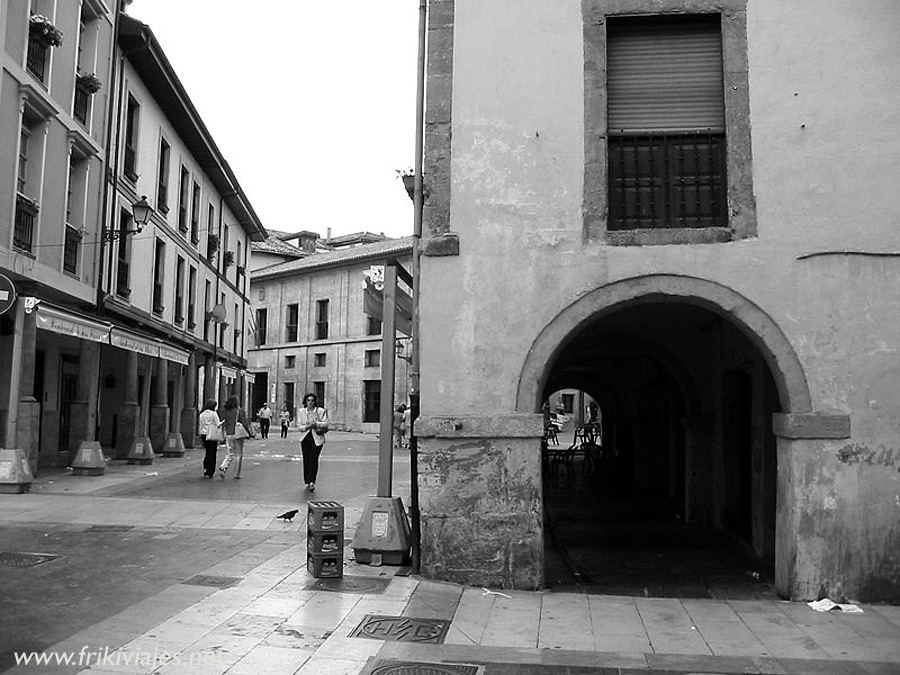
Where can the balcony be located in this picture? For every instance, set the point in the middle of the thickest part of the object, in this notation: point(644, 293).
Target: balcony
point(36, 58)
point(26, 213)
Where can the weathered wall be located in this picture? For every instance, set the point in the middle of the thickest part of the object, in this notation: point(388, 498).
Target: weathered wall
point(822, 101)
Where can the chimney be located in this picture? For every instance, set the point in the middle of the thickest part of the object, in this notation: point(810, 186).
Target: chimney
point(328, 235)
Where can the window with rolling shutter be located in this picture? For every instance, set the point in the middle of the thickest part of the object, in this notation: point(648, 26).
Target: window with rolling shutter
point(666, 122)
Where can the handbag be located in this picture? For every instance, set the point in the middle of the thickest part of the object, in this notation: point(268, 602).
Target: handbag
point(240, 431)
point(214, 432)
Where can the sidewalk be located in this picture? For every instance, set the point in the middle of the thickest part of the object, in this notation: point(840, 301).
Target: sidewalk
point(259, 611)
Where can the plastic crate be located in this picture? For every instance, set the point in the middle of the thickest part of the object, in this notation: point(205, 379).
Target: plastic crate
point(325, 517)
point(328, 543)
point(325, 566)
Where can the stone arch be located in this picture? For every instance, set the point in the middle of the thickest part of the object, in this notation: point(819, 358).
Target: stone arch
point(751, 320)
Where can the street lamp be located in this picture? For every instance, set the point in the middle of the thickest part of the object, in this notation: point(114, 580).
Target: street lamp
point(141, 212)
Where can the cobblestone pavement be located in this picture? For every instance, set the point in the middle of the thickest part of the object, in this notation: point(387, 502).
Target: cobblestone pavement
point(173, 573)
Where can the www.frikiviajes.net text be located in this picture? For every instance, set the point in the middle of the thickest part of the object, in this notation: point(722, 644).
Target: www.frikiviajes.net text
point(89, 656)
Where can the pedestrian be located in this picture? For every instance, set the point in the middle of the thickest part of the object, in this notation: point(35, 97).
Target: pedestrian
point(265, 419)
point(314, 427)
point(210, 427)
point(237, 428)
point(285, 418)
point(407, 425)
point(398, 426)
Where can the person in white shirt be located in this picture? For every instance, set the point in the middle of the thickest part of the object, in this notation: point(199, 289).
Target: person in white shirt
point(313, 422)
point(208, 422)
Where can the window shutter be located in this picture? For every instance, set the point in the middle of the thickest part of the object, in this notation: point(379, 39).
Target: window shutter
point(665, 74)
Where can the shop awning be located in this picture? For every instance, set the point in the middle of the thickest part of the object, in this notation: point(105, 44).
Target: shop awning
point(58, 320)
point(174, 354)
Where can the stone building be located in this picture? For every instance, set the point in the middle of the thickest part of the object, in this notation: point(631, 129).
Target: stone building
point(128, 246)
point(312, 334)
point(685, 209)
point(55, 88)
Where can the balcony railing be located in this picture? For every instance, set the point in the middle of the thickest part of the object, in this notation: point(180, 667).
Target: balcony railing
point(70, 250)
point(123, 289)
point(36, 57)
point(23, 233)
point(82, 104)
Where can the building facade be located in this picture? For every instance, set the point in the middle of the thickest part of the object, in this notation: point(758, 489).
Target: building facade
point(686, 210)
point(129, 249)
point(313, 335)
point(55, 91)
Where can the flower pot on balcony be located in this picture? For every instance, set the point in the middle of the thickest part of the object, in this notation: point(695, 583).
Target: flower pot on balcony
point(42, 29)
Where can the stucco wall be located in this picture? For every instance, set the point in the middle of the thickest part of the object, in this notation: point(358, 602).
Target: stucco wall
point(823, 97)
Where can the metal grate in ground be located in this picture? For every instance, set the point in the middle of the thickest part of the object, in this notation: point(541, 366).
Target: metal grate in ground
point(17, 559)
point(361, 585)
point(208, 580)
point(386, 667)
point(110, 528)
point(402, 629)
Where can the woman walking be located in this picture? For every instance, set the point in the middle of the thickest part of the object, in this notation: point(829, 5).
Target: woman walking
point(237, 428)
point(208, 424)
point(314, 425)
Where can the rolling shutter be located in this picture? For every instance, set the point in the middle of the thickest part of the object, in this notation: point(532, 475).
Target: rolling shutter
point(664, 74)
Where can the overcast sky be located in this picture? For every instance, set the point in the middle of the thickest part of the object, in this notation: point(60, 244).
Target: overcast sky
point(312, 103)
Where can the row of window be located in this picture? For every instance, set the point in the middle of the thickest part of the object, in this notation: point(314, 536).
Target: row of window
point(372, 359)
point(371, 398)
point(292, 324)
point(188, 201)
point(44, 37)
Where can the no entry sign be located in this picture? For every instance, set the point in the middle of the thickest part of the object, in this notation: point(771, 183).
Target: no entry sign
point(7, 294)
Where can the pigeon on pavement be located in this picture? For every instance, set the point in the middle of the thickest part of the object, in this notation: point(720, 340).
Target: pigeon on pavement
point(288, 516)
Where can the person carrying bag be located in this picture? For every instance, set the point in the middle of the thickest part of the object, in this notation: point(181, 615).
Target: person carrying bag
point(211, 432)
point(237, 428)
point(313, 422)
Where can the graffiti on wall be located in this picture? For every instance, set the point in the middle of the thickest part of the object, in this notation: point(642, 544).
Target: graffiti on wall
point(860, 453)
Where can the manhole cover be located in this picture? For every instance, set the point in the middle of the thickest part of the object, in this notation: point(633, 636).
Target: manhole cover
point(110, 528)
point(367, 585)
point(424, 668)
point(207, 580)
point(401, 629)
point(12, 559)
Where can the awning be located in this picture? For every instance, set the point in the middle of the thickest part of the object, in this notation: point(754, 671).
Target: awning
point(174, 354)
point(133, 342)
point(57, 320)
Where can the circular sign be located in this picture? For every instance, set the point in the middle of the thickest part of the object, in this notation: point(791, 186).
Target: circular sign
point(7, 294)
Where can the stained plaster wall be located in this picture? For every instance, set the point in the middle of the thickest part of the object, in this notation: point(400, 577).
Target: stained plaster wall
point(822, 99)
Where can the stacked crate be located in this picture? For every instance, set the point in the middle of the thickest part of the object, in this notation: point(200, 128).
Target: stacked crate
point(325, 539)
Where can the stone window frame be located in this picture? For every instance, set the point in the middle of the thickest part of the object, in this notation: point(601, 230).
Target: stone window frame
point(741, 205)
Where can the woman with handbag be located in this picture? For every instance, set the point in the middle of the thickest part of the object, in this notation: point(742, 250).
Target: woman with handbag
point(211, 432)
point(237, 428)
point(314, 425)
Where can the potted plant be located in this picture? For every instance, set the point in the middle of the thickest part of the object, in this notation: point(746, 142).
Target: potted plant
point(89, 82)
point(228, 258)
point(43, 29)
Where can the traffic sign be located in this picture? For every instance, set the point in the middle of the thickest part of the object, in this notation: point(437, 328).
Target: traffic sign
point(7, 294)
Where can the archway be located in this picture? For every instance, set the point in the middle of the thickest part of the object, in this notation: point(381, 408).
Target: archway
point(692, 373)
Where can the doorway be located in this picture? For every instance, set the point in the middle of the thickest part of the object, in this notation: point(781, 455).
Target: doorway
point(675, 496)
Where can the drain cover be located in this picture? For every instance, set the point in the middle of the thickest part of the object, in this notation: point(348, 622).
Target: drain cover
point(363, 585)
point(207, 580)
point(12, 559)
point(110, 528)
point(401, 629)
point(424, 668)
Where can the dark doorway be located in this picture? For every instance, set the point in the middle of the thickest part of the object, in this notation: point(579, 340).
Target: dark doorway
point(673, 498)
point(68, 390)
point(260, 391)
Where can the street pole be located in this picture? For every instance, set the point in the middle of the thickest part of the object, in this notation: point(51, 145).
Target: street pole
point(388, 363)
point(418, 207)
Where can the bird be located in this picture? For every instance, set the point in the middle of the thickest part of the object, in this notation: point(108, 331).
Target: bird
point(288, 516)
